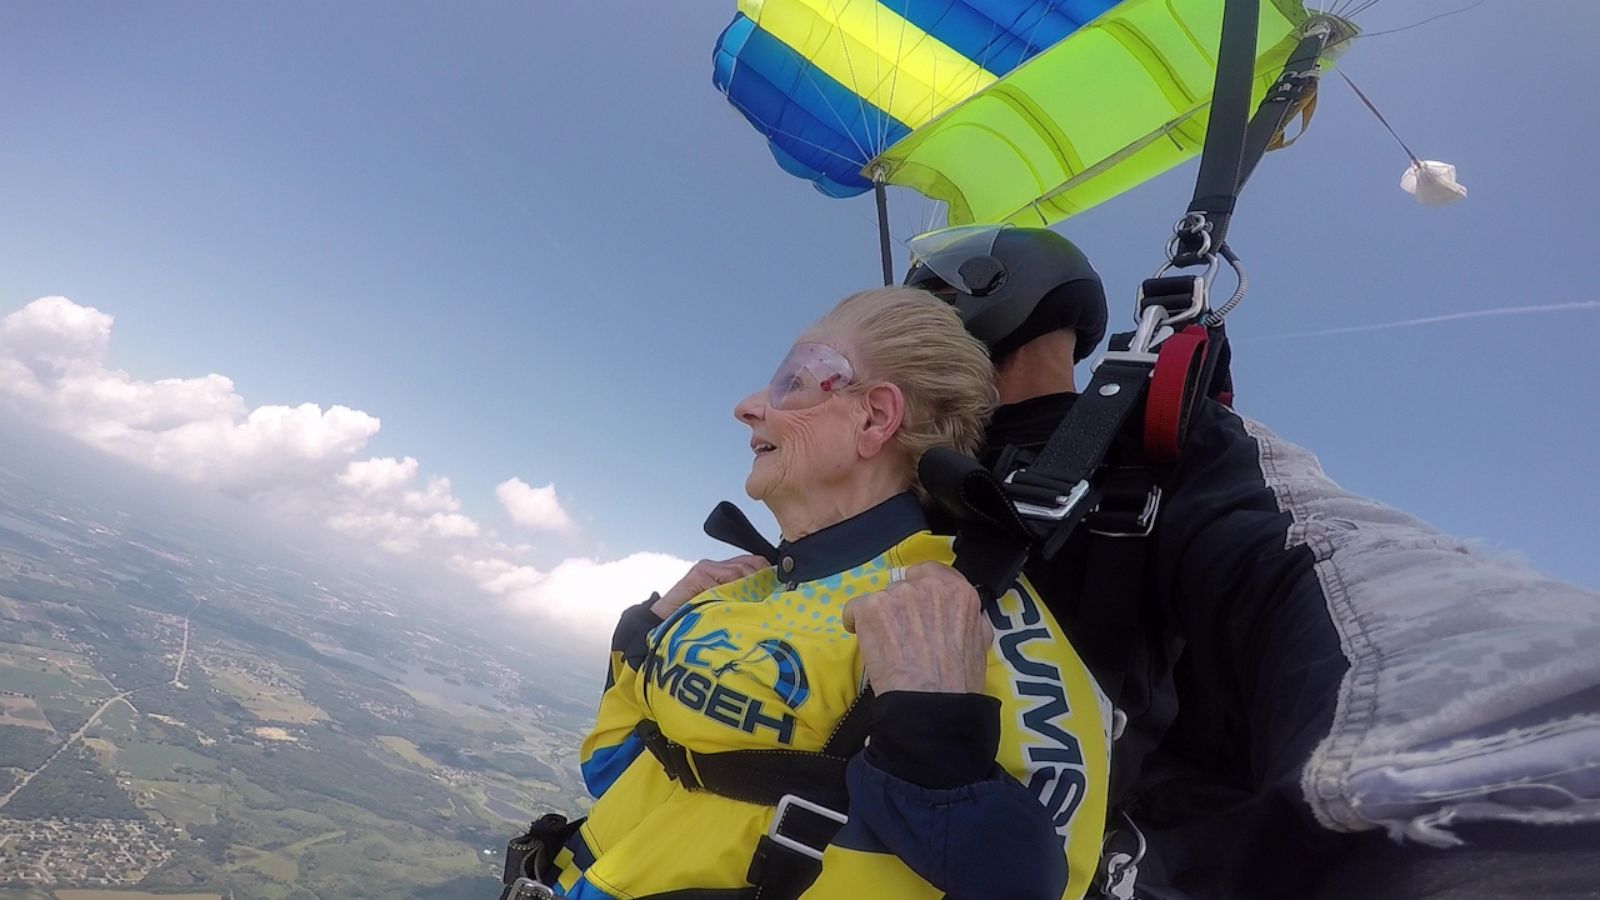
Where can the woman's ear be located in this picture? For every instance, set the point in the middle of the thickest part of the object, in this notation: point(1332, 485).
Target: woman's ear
point(885, 409)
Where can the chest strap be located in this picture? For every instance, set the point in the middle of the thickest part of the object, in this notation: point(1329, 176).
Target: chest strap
point(765, 777)
point(806, 788)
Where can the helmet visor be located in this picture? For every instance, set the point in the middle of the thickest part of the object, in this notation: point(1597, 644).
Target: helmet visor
point(807, 376)
point(943, 252)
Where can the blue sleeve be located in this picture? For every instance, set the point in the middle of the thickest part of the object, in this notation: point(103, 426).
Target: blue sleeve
point(611, 746)
point(928, 790)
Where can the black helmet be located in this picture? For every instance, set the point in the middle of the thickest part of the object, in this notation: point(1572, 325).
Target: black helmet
point(1012, 284)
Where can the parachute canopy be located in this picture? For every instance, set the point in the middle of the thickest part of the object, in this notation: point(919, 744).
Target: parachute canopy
point(1007, 110)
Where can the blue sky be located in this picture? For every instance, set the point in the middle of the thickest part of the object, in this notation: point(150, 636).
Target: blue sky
point(535, 242)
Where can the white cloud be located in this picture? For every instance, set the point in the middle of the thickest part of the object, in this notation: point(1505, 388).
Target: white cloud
point(304, 462)
point(533, 507)
point(379, 474)
point(54, 367)
point(585, 594)
point(435, 498)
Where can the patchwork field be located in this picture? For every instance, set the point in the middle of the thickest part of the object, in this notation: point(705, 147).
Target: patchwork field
point(158, 762)
point(130, 895)
point(310, 747)
point(406, 750)
point(269, 703)
point(49, 685)
point(23, 711)
point(182, 802)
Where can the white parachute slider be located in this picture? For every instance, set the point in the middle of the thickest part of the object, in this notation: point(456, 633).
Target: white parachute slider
point(1433, 183)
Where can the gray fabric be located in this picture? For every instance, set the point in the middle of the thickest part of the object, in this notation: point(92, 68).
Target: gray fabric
point(1473, 692)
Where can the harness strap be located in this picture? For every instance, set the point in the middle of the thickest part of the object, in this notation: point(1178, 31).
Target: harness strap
point(762, 777)
point(1294, 93)
point(530, 857)
point(807, 787)
point(1173, 386)
point(1058, 490)
point(788, 857)
point(992, 541)
point(728, 523)
point(1217, 187)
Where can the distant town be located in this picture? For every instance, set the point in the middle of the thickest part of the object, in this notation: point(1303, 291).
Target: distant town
point(179, 717)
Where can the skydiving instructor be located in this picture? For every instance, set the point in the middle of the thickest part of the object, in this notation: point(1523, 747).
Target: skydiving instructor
point(1324, 697)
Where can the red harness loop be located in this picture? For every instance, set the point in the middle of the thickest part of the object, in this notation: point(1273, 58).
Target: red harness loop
point(1172, 390)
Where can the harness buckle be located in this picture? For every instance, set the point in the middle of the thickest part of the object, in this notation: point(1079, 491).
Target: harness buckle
point(1127, 356)
point(1121, 876)
point(791, 801)
point(529, 889)
point(1119, 868)
point(1142, 522)
point(1184, 297)
point(1062, 506)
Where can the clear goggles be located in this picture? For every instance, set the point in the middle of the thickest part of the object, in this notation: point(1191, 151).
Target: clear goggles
point(807, 376)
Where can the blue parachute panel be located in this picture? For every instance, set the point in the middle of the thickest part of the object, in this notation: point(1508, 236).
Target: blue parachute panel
point(818, 129)
point(999, 35)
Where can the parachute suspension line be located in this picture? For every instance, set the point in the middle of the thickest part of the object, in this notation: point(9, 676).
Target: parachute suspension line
point(850, 63)
point(843, 126)
point(894, 77)
point(1344, 9)
point(768, 131)
point(1443, 15)
point(983, 58)
point(1415, 161)
point(884, 248)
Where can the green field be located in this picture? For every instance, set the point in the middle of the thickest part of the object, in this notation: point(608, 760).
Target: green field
point(39, 679)
point(130, 895)
point(53, 685)
point(185, 803)
point(159, 762)
point(267, 702)
point(117, 723)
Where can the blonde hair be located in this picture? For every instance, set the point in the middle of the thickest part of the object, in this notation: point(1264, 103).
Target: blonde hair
point(914, 340)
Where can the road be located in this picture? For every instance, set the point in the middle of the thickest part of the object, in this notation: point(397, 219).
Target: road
point(177, 672)
point(120, 697)
point(72, 739)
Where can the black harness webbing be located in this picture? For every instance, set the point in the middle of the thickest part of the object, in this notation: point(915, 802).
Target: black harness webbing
point(531, 856)
point(1296, 84)
point(762, 777)
point(1217, 186)
point(727, 523)
point(806, 787)
point(992, 541)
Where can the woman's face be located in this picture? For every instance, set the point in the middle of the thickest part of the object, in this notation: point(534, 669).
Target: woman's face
point(803, 425)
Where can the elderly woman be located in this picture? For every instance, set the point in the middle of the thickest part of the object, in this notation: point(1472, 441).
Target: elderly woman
point(728, 746)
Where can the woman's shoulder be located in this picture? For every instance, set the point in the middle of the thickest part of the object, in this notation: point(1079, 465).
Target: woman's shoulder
point(924, 546)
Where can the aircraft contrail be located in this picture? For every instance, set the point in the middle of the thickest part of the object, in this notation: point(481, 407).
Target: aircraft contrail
point(1432, 320)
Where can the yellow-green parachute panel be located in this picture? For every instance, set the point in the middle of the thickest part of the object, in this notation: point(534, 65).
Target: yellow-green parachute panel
point(1008, 110)
point(1120, 101)
point(833, 83)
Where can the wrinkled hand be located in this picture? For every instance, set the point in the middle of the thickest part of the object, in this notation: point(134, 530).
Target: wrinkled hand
point(705, 575)
point(925, 633)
